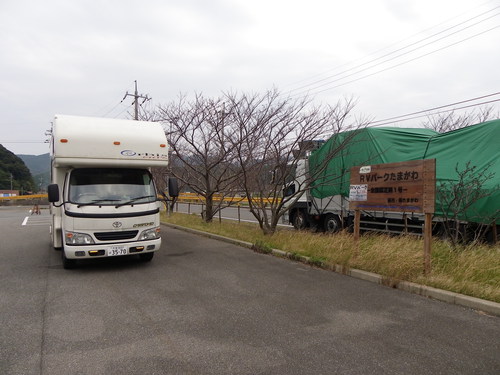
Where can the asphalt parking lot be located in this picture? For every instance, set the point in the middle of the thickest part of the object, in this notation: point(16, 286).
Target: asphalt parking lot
point(207, 307)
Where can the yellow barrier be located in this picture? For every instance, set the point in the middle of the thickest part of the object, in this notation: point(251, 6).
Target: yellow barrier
point(183, 197)
point(195, 198)
point(18, 197)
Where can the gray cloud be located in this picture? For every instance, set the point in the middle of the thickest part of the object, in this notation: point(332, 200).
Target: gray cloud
point(79, 57)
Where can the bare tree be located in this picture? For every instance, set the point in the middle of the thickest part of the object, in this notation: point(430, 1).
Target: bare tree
point(200, 136)
point(457, 199)
point(245, 144)
point(270, 130)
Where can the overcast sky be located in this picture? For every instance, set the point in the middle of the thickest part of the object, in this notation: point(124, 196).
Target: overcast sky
point(395, 57)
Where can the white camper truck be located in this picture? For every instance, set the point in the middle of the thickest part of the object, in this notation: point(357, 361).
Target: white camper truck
point(104, 201)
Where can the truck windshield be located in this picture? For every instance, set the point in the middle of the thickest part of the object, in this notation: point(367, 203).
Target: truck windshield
point(111, 186)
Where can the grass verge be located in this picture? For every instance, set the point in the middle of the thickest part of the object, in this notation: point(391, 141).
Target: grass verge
point(473, 271)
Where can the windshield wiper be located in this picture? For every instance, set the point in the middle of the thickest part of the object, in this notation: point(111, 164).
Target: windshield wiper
point(133, 200)
point(95, 201)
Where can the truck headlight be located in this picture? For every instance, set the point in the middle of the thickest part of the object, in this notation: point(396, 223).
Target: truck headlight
point(74, 238)
point(150, 234)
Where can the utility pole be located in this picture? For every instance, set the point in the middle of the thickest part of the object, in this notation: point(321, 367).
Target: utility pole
point(136, 100)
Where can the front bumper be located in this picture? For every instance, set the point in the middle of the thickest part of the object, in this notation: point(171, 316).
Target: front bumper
point(114, 249)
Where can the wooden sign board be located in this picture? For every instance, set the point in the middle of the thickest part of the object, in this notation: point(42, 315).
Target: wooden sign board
point(408, 186)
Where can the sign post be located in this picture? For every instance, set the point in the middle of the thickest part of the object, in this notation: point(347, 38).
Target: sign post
point(357, 219)
point(427, 243)
point(404, 187)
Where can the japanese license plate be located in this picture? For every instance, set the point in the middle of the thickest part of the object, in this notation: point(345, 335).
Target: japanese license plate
point(117, 250)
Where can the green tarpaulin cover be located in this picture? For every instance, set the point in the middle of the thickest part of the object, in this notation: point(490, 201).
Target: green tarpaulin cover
point(478, 145)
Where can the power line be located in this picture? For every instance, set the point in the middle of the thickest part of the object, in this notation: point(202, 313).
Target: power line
point(135, 103)
point(436, 113)
point(315, 83)
point(100, 111)
point(112, 109)
point(440, 107)
point(396, 43)
point(433, 113)
point(125, 109)
point(396, 65)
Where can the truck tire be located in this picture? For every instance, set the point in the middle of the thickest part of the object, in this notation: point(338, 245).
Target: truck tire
point(299, 220)
point(146, 257)
point(331, 223)
point(68, 264)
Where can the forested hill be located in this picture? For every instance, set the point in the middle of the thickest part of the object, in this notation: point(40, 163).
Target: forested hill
point(39, 166)
point(11, 165)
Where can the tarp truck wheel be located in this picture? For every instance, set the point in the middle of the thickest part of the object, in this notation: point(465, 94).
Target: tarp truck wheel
point(331, 224)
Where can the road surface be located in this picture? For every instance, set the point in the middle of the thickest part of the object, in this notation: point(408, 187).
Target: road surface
point(206, 307)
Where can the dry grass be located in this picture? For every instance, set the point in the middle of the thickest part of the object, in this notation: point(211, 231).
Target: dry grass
point(474, 271)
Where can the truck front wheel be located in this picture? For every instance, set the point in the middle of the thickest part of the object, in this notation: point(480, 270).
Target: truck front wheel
point(146, 257)
point(68, 264)
point(299, 220)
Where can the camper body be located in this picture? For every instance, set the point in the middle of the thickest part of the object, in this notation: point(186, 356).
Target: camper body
point(104, 200)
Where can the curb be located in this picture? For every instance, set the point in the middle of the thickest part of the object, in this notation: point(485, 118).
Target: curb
point(474, 303)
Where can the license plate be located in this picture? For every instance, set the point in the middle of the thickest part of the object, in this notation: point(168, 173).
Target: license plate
point(117, 250)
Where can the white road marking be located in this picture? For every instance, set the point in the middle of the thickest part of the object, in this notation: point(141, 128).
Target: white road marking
point(25, 220)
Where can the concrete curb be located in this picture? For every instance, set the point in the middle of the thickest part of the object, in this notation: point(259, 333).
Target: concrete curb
point(486, 306)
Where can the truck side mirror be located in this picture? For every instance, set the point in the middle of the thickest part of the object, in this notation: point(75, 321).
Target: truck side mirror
point(289, 190)
point(173, 187)
point(53, 192)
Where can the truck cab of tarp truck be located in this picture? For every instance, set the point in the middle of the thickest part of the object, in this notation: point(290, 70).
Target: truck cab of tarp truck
point(104, 200)
point(303, 209)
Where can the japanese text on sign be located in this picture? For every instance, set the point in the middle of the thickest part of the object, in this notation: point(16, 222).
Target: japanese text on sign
point(399, 176)
point(358, 193)
point(404, 187)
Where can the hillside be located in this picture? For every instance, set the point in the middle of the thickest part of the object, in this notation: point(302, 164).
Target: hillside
point(13, 172)
point(39, 166)
point(36, 163)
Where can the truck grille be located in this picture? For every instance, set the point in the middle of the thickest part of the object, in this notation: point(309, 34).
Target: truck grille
point(112, 236)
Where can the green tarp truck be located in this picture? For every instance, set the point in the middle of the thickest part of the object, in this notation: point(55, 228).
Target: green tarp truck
point(326, 171)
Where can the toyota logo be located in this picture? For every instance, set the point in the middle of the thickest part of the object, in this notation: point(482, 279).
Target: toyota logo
point(117, 224)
